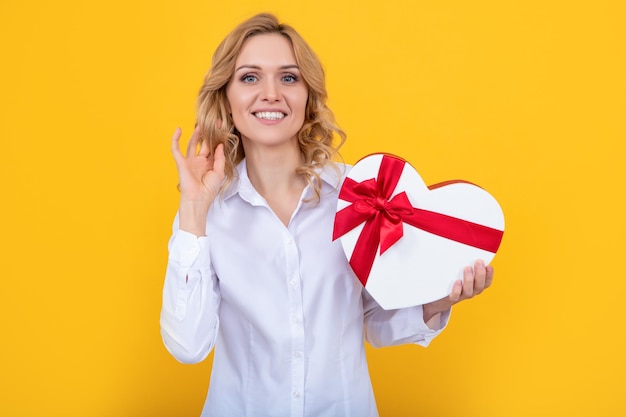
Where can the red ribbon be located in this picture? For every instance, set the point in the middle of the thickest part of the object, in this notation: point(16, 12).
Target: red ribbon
point(384, 218)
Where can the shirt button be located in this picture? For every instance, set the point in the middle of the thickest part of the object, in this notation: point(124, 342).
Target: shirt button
point(293, 282)
point(296, 355)
point(295, 320)
point(296, 394)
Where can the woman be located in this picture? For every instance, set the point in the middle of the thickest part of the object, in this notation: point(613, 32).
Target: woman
point(252, 264)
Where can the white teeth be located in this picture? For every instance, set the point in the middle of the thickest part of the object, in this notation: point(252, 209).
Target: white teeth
point(269, 115)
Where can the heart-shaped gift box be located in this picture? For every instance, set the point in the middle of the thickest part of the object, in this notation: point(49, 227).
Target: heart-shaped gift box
point(408, 243)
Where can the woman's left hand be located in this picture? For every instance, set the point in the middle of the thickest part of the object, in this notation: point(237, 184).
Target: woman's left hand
point(475, 281)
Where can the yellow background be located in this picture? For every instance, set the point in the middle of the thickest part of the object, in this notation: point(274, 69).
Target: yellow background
point(525, 98)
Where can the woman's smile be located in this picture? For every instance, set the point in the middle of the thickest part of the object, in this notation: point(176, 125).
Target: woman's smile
point(269, 115)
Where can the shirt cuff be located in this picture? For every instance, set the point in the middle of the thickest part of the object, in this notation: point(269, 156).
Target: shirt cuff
point(185, 248)
point(428, 333)
point(444, 317)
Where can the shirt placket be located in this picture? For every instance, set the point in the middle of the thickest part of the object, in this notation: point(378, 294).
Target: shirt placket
point(297, 327)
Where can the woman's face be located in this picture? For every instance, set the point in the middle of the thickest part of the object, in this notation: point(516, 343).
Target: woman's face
point(266, 95)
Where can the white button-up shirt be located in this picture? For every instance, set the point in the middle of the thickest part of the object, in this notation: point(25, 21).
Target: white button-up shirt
point(282, 307)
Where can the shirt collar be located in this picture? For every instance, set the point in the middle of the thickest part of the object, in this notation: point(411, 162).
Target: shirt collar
point(241, 182)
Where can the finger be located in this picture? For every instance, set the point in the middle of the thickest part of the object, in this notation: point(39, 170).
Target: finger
point(457, 289)
point(480, 275)
point(193, 142)
point(468, 282)
point(219, 160)
point(176, 143)
point(489, 275)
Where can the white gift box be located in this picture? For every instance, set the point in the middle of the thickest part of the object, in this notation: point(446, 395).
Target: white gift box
point(406, 242)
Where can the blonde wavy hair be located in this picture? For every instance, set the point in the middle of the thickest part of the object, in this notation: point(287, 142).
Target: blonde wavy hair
point(317, 134)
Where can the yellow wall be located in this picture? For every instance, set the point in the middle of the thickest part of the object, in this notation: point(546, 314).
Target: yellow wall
point(526, 98)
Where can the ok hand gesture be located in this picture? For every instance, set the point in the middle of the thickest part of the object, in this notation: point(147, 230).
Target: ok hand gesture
point(200, 174)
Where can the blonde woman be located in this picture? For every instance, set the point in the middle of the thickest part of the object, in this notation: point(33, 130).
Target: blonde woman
point(253, 271)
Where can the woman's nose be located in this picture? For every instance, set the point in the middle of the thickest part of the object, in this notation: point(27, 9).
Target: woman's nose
point(270, 91)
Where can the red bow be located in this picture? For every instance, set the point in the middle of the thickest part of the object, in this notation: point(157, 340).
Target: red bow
point(384, 218)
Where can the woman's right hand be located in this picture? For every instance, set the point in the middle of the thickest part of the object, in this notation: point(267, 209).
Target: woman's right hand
point(200, 175)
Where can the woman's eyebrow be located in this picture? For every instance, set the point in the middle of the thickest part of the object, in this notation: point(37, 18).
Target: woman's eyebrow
point(256, 67)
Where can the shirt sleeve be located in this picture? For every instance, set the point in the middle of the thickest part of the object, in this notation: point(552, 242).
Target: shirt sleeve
point(400, 326)
point(191, 297)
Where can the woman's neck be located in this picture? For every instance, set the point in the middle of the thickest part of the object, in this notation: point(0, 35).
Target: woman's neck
point(272, 168)
point(272, 173)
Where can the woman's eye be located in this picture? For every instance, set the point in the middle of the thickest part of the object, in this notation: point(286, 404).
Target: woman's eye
point(290, 78)
point(248, 78)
